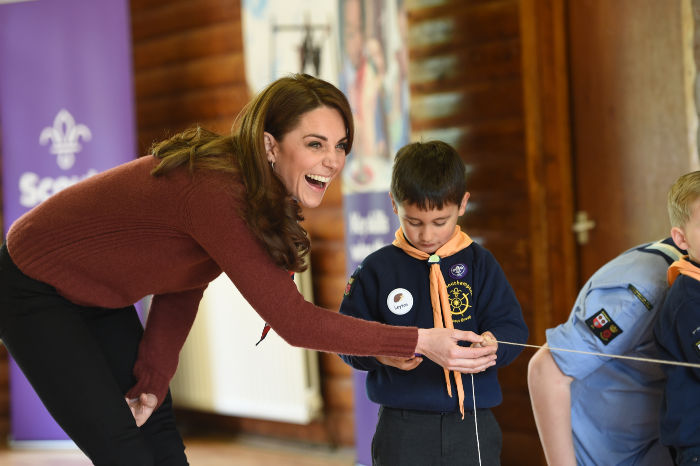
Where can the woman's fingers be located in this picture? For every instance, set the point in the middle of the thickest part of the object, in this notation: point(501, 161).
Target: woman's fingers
point(142, 407)
point(472, 360)
point(441, 346)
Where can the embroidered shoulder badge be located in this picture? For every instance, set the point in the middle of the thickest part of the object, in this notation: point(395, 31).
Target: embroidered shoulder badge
point(603, 327)
point(640, 296)
point(348, 286)
point(351, 282)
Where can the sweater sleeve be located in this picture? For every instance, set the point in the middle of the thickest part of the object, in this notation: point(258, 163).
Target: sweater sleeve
point(169, 321)
point(216, 224)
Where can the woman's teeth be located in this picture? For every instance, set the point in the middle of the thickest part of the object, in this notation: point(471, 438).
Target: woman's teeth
point(318, 179)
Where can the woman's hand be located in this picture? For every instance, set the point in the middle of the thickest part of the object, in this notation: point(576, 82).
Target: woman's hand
point(440, 345)
point(405, 364)
point(142, 407)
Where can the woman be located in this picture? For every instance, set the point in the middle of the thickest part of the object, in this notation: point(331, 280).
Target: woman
point(166, 225)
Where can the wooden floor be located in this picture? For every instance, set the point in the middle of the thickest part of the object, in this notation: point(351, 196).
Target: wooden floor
point(238, 451)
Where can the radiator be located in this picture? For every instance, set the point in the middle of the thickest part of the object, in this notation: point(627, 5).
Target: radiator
point(221, 370)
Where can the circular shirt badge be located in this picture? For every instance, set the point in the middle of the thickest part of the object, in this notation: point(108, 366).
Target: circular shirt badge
point(399, 301)
point(458, 271)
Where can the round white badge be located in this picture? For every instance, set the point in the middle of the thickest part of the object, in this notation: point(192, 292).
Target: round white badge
point(399, 301)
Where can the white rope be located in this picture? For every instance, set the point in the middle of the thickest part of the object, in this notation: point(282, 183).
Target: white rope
point(634, 358)
point(476, 425)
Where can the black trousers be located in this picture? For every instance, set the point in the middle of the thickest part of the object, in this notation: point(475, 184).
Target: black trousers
point(417, 438)
point(80, 360)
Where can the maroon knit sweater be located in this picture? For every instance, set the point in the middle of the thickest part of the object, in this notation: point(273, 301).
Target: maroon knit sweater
point(120, 235)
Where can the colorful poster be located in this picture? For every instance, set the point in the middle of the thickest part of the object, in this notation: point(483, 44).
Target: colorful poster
point(373, 74)
point(66, 112)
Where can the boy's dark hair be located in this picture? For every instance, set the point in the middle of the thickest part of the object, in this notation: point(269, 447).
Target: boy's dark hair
point(429, 175)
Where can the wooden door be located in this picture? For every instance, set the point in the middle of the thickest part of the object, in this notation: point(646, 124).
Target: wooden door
point(610, 123)
point(631, 81)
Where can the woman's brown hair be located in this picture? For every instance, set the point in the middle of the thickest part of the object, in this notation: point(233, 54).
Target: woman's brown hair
point(270, 211)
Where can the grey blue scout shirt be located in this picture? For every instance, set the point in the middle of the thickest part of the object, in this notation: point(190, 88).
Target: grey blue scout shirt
point(393, 288)
point(615, 403)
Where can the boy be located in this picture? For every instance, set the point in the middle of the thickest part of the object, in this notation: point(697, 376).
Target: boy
point(433, 275)
point(678, 327)
point(614, 313)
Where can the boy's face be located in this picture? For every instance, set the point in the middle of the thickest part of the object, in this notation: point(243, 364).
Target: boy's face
point(688, 236)
point(429, 229)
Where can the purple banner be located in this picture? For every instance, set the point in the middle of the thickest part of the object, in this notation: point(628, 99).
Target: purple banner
point(66, 113)
point(369, 225)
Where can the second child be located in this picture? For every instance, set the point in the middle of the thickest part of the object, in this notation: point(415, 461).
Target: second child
point(434, 275)
point(678, 326)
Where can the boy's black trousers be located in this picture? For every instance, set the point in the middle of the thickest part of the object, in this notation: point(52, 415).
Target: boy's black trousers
point(407, 437)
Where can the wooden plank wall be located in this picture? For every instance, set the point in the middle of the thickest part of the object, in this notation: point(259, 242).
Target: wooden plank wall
point(188, 66)
point(189, 69)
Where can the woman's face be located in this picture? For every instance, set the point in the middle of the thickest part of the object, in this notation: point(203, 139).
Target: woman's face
point(309, 156)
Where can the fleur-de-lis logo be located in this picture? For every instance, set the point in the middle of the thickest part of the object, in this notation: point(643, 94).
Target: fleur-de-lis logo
point(64, 136)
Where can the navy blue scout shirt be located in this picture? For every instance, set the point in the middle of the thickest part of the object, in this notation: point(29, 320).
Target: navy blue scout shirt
point(678, 333)
point(394, 288)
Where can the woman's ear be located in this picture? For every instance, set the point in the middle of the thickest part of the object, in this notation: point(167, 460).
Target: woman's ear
point(270, 147)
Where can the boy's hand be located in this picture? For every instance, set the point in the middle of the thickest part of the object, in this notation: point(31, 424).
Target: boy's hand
point(405, 364)
point(488, 340)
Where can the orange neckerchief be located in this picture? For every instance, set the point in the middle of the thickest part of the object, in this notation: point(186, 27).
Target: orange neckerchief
point(682, 266)
point(438, 290)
